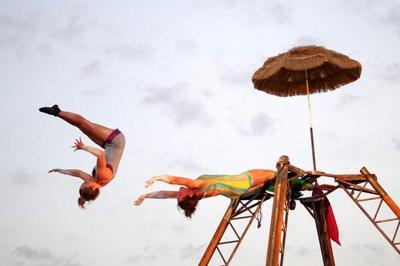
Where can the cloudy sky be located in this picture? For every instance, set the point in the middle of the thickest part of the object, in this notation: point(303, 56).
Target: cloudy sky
point(175, 77)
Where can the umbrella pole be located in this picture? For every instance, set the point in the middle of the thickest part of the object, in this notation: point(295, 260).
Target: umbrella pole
point(310, 123)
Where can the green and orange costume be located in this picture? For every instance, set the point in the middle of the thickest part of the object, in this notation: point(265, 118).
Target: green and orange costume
point(231, 186)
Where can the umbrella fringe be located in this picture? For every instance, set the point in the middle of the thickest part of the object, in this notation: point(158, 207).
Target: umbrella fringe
point(284, 75)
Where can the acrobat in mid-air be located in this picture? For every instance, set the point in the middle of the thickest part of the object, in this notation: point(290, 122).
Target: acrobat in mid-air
point(111, 140)
point(231, 186)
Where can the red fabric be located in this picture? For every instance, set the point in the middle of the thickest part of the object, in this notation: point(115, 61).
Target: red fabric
point(111, 137)
point(333, 230)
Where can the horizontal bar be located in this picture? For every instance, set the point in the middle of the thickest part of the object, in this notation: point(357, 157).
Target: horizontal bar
point(355, 177)
point(373, 198)
point(387, 220)
point(242, 217)
point(361, 189)
point(245, 208)
point(228, 242)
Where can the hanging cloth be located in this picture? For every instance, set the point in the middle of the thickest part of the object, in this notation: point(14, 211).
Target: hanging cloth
point(333, 230)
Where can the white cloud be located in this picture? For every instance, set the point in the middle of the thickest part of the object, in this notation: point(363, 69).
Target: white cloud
point(281, 13)
point(253, 124)
point(33, 253)
point(74, 25)
point(23, 178)
point(42, 257)
point(92, 69)
point(347, 100)
point(182, 104)
point(18, 32)
point(190, 249)
point(149, 255)
point(396, 142)
point(127, 51)
point(390, 73)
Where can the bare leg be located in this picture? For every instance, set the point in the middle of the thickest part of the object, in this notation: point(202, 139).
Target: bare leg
point(97, 133)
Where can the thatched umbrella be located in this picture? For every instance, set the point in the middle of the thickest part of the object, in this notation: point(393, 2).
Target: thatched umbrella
point(305, 70)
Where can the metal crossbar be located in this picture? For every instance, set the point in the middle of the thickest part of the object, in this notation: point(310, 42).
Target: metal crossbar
point(244, 209)
point(251, 218)
point(248, 207)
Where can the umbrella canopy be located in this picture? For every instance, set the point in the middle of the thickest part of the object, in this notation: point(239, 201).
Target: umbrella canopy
point(305, 70)
point(286, 74)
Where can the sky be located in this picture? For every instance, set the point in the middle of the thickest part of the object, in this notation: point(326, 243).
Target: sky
point(175, 78)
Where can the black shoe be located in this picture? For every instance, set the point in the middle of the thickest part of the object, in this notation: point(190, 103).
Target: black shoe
point(54, 110)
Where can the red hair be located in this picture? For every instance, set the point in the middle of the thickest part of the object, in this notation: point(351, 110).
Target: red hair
point(87, 194)
point(188, 204)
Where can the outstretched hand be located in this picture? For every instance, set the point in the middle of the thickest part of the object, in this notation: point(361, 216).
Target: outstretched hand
point(164, 178)
point(140, 200)
point(78, 145)
point(150, 182)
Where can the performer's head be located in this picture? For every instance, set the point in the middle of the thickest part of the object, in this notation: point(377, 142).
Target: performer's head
point(187, 201)
point(89, 190)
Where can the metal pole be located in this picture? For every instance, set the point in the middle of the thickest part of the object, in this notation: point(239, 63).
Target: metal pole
point(275, 231)
point(386, 198)
point(310, 123)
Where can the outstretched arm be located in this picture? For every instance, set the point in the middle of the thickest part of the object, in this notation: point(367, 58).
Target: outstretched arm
point(101, 158)
point(174, 180)
point(72, 172)
point(156, 195)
